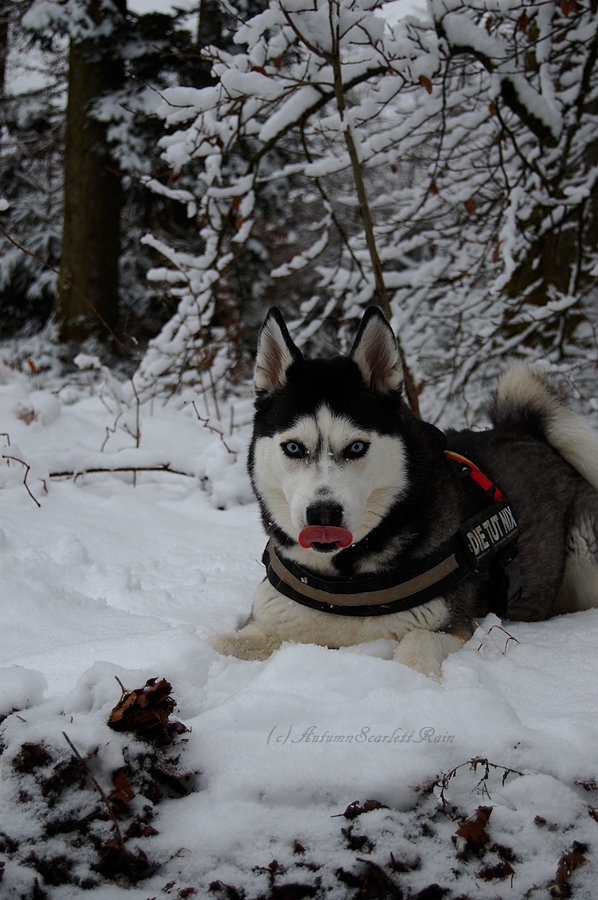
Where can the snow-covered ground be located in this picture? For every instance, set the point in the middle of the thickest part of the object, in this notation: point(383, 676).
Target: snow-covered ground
point(105, 578)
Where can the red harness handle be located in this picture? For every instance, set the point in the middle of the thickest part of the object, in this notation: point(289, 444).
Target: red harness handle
point(476, 473)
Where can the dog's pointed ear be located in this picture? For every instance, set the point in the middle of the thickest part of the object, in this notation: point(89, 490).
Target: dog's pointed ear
point(376, 353)
point(275, 353)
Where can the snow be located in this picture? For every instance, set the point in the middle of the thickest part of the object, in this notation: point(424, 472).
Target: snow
point(395, 10)
point(107, 579)
point(166, 7)
point(462, 32)
point(291, 111)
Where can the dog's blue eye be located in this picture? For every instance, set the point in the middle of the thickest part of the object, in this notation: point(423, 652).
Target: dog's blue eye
point(293, 449)
point(355, 450)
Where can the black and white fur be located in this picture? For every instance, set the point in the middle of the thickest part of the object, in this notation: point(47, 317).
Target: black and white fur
point(334, 443)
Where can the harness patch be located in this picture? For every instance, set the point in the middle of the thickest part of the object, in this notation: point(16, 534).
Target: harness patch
point(485, 534)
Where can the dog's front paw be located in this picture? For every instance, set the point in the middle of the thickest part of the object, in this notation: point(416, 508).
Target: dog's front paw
point(245, 646)
point(425, 651)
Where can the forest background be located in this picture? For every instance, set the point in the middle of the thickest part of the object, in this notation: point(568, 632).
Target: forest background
point(166, 177)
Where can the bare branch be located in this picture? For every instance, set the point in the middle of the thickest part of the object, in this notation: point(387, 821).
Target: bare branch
point(94, 470)
point(27, 470)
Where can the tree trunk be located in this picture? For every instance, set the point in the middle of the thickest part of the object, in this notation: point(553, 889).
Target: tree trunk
point(4, 19)
point(87, 298)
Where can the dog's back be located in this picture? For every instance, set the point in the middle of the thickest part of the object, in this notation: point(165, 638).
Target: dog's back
point(545, 458)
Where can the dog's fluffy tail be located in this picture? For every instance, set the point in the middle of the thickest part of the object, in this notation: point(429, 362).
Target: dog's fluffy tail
point(526, 401)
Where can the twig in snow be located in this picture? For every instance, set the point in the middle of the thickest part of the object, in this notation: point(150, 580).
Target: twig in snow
point(118, 401)
point(27, 470)
point(481, 787)
point(510, 637)
point(102, 794)
point(206, 424)
point(123, 689)
point(107, 469)
point(130, 860)
point(137, 434)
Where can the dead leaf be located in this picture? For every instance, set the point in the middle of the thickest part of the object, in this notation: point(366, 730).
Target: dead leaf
point(146, 712)
point(426, 83)
point(26, 414)
point(473, 832)
point(356, 809)
point(589, 785)
point(400, 867)
point(502, 869)
point(432, 892)
point(470, 206)
point(123, 793)
point(114, 862)
point(359, 843)
point(567, 865)
point(172, 779)
point(32, 756)
point(372, 882)
point(274, 868)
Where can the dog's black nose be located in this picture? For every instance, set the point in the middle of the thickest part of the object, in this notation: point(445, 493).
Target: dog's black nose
point(324, 514)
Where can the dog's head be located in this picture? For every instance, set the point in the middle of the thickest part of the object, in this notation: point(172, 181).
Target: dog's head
point(329, 455)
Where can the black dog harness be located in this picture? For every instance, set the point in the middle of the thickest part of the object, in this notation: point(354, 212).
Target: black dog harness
point(484, 548)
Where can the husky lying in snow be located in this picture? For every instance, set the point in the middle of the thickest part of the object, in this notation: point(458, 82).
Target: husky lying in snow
point(380, 526)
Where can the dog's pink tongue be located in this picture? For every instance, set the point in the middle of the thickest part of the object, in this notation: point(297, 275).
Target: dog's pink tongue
point(325, 534)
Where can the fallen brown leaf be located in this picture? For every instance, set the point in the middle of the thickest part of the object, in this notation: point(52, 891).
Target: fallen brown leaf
point(473, 832)
point(146, 712)
point(356, 809)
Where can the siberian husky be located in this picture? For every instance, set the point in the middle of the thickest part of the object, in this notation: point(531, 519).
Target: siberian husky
point(381, 526)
